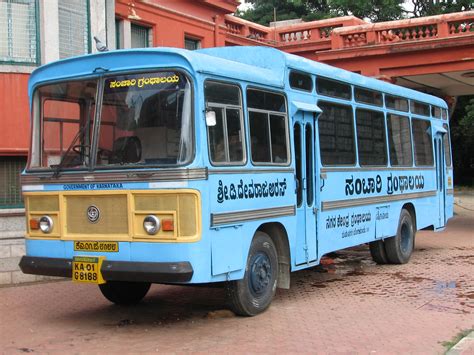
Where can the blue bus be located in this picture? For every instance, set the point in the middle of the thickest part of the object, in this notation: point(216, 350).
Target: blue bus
point(236, 165)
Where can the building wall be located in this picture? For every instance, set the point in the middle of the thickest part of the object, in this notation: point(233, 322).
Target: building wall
point(14, 116)
point(168, 24)
point(15, 119)
point(171, 24)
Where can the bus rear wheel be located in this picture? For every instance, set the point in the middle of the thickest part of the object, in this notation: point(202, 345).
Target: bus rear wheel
point(254, 293)
point(400, 247)
point(123, 292)
point(377, 251)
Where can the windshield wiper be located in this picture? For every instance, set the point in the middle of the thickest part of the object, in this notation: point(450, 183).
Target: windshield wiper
point(58, 167)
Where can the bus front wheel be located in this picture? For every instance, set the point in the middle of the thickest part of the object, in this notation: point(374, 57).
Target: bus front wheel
point(400, 247)
point(254, 293)
point(123, 292)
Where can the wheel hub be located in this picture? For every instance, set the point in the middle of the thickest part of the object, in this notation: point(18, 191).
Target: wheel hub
point(260, 274)
point(405, 236)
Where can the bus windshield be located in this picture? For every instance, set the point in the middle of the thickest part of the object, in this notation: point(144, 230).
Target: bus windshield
point(144, 120)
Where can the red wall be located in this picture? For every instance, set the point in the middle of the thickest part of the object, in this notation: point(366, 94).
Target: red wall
point(187, 18)
point(14, 114)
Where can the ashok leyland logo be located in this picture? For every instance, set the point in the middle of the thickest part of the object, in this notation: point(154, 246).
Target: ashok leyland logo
point(93, 214)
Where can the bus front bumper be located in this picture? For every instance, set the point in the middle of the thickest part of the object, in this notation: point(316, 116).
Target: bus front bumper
point(171, 272)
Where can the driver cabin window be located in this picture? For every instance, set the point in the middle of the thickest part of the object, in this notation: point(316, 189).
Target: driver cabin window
point(63, 124)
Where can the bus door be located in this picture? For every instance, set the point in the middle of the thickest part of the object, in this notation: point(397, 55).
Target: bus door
point(440, 178)
point(306, 212)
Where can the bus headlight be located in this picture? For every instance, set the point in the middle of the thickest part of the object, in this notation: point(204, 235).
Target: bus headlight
point(46, 224)
point(151, 224)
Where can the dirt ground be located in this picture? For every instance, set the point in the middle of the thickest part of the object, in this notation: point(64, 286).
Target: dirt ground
point(347, 305)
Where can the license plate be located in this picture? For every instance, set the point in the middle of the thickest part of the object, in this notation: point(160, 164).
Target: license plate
point(101, 247)
point(87, 269)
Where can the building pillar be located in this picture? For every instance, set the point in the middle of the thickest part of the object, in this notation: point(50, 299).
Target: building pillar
point(97, 22)
point(219, 38)
point(110, 24)
point(49, 30)
point(125, 30)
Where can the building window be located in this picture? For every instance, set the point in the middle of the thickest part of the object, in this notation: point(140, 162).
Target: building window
point(10, 188)
point(191, 43)
point(73, 28)
point(18, 35)
point(118, 35)
point(140, 36)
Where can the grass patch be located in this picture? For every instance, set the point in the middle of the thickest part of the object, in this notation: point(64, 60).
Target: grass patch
point(456, 339)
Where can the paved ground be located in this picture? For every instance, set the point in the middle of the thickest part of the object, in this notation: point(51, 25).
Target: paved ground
point(348, 305)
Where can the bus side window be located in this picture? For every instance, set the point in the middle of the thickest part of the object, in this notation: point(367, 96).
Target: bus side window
point(396, 103)
point(419, 108)
point(371, 138)
point(336, 134)
point(399, 140)
point(225, 138)
point(421, 131)
point(447, 146)
point(268, 127)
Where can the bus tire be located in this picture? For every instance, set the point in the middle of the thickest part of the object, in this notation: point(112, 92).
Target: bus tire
point(400, 247)
point(254, 293)
point(123, 292)
point(377, 251)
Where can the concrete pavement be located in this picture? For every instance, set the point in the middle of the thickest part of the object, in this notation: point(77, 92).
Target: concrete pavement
point(464, 199)
point(347, 305)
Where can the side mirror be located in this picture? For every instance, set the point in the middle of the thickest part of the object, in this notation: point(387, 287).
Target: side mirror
point(211, 118)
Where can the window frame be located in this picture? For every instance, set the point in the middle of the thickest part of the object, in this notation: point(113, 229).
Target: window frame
point(12, 166)
point(384, 130)
point(447, 139)
point(148, 30)
point(268, 112)
point(37, 59)
point(88, 20)
point(354, 136)
point(407, 117)
point(224, 107)
point(370, 90)
point(433, 109)
point(413, 112)
point(396, 97)
point(335, 81)
point(191, 38)
point(36, 109)
point(299, 72)
point(426, 119)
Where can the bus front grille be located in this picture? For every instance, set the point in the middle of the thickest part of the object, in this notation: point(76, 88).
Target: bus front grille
point(112, 216)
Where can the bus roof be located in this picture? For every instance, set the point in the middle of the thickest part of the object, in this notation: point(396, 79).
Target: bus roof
point(263, 65)
point(276, 60)
point(148, 59)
